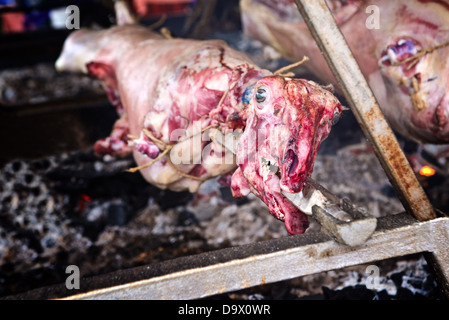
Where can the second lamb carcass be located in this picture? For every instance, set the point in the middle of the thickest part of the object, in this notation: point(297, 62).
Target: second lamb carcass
point(171, 92)
point(404, 55)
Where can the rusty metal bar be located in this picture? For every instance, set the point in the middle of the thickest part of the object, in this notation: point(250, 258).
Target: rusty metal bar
point(365, 107)
point(263, 262)
point(344, 221)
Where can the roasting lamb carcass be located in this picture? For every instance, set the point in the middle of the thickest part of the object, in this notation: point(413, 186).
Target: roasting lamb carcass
point(411, 93)
point(171, 92)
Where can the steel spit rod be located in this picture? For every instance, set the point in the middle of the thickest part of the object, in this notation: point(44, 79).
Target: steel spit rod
point(365, 107)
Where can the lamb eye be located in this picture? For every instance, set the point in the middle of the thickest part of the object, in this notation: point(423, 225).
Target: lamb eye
point(336, 118)
point(261, 95)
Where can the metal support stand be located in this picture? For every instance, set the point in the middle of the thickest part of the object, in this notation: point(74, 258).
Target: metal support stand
point(287, 258)
point(346, 71)
point(365, 107)
point(263, 262)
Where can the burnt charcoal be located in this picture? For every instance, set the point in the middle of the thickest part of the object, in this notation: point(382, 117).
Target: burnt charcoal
point(49, 242)
point(405, 294)
point(358, 292)
point(167, 199)
point(12, 168)
point(16, 166)
point(417, 284)
point(7, 223)
point(41, 164)
point(30, 238)
point(388, 190)
point(408, 146)
point(41, 82)
point(226, 195)
point(20, 282)
point(397, 278)
point(88, 229)
point(382, 295)
point(280, 292)
point(86, 173)
point(117, 214)
point(187, 218)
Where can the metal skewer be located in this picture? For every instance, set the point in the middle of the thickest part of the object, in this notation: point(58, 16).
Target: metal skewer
point(344, 221)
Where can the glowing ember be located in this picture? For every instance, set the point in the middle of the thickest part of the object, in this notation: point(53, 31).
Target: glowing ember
point(427, 171)
point(84, 199)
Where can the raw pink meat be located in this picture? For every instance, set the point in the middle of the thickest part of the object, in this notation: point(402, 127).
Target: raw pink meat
point(413, 97)
point(170, 91)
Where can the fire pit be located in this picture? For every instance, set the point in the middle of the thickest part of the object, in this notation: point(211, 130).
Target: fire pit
point(75, 208)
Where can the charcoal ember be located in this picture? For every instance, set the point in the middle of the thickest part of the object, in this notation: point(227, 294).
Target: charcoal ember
point(153, 235)
point(29, 214)
point(405, 278)
point(354, 172)
point(111, 229)
point(5, 243)
point(409, 278)
point(40, 82)
point(63, 210)
point(98, 214)
point(242, 224)
point(415, 281)
point(187, 218)
point(358, 292)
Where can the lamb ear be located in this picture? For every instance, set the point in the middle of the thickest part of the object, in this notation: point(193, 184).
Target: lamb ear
point(100, 70)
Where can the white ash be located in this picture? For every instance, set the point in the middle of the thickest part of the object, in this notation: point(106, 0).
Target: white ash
point(399, 279)
point(355, 173)
point(27, 203)
point(32, 205)
point(247, 223)
point(412, 272)
point(209, 221)
point(34, 223)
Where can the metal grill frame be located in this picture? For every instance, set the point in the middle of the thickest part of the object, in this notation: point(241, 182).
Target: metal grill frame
point(417, 231)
